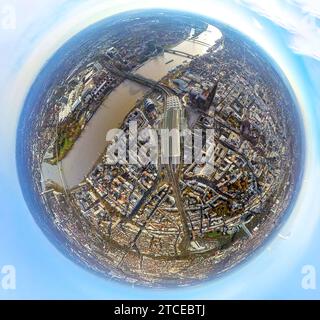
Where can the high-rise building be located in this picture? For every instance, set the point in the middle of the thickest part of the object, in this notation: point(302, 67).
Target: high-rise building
point(211, 96)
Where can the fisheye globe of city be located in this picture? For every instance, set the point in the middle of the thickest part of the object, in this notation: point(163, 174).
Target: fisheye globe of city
point(159, 148)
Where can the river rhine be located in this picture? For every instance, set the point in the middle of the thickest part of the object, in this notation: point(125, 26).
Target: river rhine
point(92, 142)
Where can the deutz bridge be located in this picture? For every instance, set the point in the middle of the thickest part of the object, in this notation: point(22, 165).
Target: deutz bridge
point(199, 42)
point(180, 53)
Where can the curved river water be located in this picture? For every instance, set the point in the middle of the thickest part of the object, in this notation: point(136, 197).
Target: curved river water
point(92, 142)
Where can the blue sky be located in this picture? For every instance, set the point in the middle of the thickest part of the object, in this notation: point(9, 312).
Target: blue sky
point(286, 29)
